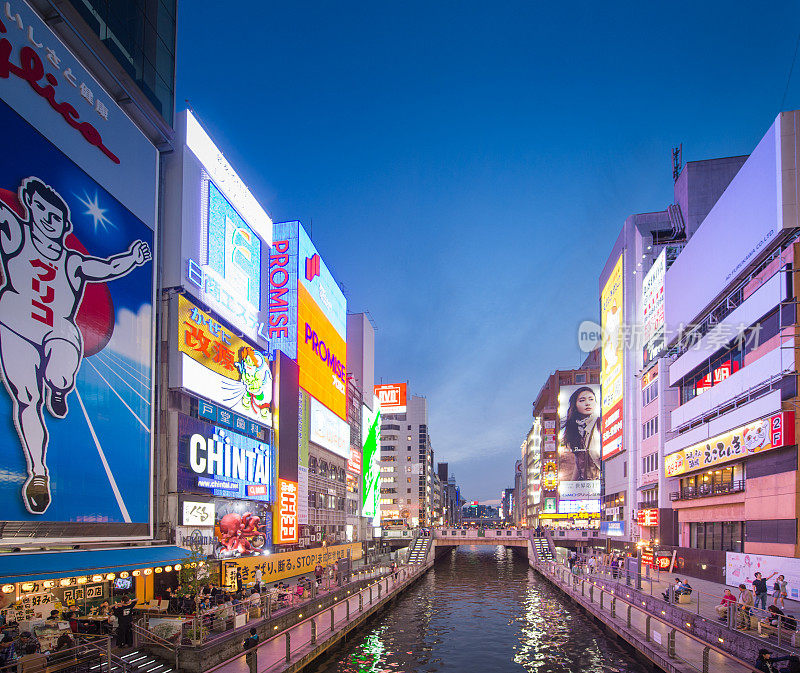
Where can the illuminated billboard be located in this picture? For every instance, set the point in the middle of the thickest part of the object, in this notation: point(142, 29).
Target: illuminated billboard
point(652, 310)
point(285, 529)
point(392, 397)
point(371, 471)
point(216, 364)
point(295, 265)
point(579, 442)
point(328, 430)
point(214, 460)
point(321, 356)
point(762, 435)
point(612, 362)
point(78, 204)
point(534, 476)
point(218, 245)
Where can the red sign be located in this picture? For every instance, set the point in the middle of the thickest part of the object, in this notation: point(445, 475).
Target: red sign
point(663, 562)
point(392, 397)
point(647, 517)
point(256, 489)
point(285, 527)
point(354, 464)
point(717, 376)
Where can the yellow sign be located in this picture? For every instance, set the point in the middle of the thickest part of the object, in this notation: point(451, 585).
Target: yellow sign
point(611, 379)
point(762, 435)
point(287, 564)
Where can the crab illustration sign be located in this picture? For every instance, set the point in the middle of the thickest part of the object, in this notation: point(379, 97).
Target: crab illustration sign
point(220, 366)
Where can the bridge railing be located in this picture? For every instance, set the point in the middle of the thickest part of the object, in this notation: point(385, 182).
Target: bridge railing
point(488, 534)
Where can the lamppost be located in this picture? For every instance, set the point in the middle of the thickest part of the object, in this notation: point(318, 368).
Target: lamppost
point(639, 546)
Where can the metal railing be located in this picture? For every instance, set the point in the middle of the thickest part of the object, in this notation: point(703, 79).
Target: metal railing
point(222, 620)
point(302, 637)
point(706, 490)
point(88, 653)
point(757, 624)
point(664, 638)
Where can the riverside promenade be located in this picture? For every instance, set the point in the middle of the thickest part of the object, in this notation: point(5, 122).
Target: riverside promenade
point(293, 648)
point(668, 635)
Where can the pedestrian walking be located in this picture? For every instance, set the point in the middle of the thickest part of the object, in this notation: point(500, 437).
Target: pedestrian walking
point(779, 591)
point(251, 651)
point(318, 572)
point(258, 577)
point(238, 579)
point(760, 590)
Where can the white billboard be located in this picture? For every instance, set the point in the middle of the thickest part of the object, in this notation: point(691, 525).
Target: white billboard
point(741, 568)
point(746, 218)
point(652, 309)
point(218, 237)
point(328, 430)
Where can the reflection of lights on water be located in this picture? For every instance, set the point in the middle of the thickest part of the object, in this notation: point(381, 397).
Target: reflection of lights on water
point(368, 658)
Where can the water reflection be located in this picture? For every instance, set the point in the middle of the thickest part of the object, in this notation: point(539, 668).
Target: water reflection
point(480, 609)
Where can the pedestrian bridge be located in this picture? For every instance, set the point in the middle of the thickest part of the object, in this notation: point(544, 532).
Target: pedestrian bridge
point(452, 537)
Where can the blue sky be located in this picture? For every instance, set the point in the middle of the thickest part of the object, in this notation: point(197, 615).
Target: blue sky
point(467, 166)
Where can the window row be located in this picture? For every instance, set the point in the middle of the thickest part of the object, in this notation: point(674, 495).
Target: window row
point(650, 463)
point(326, 501)
point(650, 428)
point(650, 393)
point(327, 470)
point(719, 535)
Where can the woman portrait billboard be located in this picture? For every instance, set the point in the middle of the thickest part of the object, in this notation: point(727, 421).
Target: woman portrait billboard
point(579, 439)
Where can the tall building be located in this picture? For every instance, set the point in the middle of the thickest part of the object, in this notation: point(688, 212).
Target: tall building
point(635, 422)
point(561, 459)
point(731, 460)
point(86, 140)
point(407, 489)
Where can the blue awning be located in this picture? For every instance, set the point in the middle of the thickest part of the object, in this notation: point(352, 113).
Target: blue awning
point(57, 564)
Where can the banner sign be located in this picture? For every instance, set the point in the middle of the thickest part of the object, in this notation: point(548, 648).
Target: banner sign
point(612, 362)
point(219, 365)
point(371, 471)
point(240, 424)
point(647, 517)
point(279, 566)
point(762, 435)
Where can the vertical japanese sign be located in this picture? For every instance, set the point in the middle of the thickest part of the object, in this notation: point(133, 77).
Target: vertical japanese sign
point(77, 205)
point(285, 526)
point(613, 358)
point(653, 308)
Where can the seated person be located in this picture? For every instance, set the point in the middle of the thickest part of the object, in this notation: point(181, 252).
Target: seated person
point(722, 608)
point(54, 617)
point(676, 588)
point(776, 615)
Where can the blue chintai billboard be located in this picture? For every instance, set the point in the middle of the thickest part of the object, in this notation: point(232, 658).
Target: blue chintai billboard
point(76, 316)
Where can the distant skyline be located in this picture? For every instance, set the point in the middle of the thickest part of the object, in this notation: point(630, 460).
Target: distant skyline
point(465, 168)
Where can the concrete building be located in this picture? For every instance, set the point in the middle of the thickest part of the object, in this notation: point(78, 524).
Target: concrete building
point(451, 495)
point(407, 465)
point(731, 453)
point(634, 428)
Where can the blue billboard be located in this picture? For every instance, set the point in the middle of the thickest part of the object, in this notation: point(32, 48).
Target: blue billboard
point(317, 279)
point(76, 344)
point(215, 460)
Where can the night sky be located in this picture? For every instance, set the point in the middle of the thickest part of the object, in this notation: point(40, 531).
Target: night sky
point(465, 167)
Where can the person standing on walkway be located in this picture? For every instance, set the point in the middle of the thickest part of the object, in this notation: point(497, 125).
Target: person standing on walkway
point(318, 571)
point(760, 590)
point(251, 651)
point(123, 611)
point(745, 601)
point(258, 578)
point(779, 591)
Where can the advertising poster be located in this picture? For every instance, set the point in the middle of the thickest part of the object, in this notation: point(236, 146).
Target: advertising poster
point(535, 462)
point(76, 344)
point(370, 455)
point(285, 524)
point(612, 362)
point(321, 355)
point(214, 460)
point(764, 434)
point(241, 529)
point(221, 367)
point(579, 442)
point(392, 397)
point(740, 568)
point(221, 255)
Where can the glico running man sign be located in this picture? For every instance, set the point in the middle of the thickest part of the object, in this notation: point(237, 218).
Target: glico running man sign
point(76, 295)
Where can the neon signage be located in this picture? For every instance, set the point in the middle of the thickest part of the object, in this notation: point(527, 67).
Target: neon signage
point(286, 523)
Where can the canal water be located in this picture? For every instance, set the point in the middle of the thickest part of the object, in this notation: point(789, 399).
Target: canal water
point(480, 609)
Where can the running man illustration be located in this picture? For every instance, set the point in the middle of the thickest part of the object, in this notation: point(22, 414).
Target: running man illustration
point(41, 346)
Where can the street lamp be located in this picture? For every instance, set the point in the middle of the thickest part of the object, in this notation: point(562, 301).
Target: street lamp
point(639, 546)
